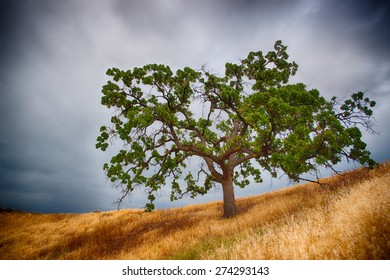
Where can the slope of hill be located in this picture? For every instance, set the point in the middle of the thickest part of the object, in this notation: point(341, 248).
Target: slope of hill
point(348, 220)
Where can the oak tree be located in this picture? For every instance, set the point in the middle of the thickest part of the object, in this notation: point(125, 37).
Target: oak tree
point(241, 124)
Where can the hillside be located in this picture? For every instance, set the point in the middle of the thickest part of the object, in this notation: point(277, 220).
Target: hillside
point(348, 220)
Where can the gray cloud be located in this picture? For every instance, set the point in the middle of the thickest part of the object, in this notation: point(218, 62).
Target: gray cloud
point(54, 57)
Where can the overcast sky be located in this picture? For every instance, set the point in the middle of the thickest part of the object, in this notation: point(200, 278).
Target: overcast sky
point(54, 55)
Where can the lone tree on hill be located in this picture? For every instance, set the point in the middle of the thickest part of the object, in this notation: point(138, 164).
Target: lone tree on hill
point(237, 123)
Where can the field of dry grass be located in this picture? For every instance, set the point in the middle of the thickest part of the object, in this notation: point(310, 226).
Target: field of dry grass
point(351, 221)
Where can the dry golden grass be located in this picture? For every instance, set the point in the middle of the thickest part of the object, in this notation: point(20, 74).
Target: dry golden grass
point(353, 224)
point(352, 221)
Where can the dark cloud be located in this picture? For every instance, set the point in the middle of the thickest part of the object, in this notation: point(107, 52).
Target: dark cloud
point(55, 53)
point(365, 23)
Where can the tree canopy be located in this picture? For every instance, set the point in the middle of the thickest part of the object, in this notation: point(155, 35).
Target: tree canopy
point(249, 121)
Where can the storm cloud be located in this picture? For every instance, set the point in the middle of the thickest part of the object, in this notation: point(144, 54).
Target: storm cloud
point(54, 55)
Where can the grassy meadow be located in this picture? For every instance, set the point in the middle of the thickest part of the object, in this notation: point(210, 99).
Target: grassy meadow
point(350, 219)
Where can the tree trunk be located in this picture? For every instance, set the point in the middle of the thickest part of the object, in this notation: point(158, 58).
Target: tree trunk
point(229, 201)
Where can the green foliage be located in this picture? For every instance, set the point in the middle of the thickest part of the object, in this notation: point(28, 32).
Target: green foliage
point(248, 118)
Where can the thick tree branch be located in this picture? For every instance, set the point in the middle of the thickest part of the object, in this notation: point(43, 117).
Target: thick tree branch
point(189, 148)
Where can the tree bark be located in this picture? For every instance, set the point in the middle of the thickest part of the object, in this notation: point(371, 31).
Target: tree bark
point(229, 201)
